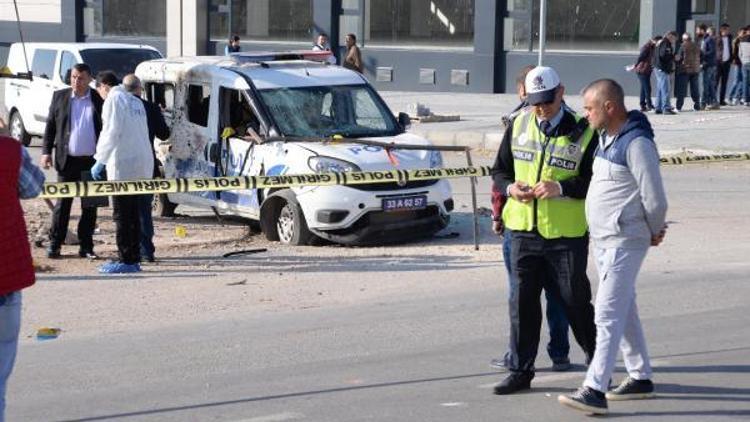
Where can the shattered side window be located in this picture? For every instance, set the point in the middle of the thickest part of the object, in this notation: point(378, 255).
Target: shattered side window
point(323, 111)
point(198, 100)
point(161, 94)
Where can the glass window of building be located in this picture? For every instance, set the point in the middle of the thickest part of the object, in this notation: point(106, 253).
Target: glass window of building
point(583, 25)
point(419, 23)
point(262, 20)
point(134, 18)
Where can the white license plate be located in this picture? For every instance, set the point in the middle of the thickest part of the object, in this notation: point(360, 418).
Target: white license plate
point(405, 203)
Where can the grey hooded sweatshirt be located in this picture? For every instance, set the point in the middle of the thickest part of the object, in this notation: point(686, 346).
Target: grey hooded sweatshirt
point(626, 204)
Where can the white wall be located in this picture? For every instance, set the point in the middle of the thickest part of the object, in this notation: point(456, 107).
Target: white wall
point(47, 11)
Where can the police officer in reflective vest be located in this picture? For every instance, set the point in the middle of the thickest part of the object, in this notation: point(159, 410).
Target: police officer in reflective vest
point(544, 165)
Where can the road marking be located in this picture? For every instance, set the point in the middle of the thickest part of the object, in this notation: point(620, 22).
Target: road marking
point(278, 417)
point(453, 404)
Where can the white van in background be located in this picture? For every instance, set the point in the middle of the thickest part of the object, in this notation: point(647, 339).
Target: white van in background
point(28, 102)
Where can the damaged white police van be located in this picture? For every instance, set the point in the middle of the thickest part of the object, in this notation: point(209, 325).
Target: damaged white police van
point(273, 114)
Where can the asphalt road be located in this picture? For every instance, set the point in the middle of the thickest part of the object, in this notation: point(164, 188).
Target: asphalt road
point(421, 354)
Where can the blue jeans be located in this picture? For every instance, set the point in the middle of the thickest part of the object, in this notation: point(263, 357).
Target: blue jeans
point(645, 80)
point(662, 91)
point(737, 92)
point(558, 346)
point(10, 325)
point(709, 86)
point(147, 225)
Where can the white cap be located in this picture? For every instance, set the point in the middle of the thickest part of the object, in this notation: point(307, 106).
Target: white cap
point(541, 83)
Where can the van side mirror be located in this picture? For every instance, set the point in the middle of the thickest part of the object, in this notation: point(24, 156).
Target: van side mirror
point(404, 120)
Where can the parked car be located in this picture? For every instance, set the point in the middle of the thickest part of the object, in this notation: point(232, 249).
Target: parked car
point(271, 114)
point(28, 101)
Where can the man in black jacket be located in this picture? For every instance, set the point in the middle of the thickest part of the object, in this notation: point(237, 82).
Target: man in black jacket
point(157, 127)
point(73, 126)
point(664, 65)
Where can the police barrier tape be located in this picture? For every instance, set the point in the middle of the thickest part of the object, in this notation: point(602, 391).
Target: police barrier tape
point(688, 158)
point(213, 184)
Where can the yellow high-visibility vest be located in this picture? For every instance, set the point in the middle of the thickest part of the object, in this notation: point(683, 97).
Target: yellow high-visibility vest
point(536, 158)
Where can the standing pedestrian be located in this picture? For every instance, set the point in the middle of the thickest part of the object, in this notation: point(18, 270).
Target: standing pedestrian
point(322, 44)
point(724, 60)
point(157, 127)
point(643, 68)
point(664, 64)
point(708, 64)
point(558, 346)
point(625, 208)
point(737, 92)
point(544, 167)
point(353, 58)
point(233, 45)
point(19, 179)
point(125, 153)
point(72, 130)
point(743, 48)
point(688, 72)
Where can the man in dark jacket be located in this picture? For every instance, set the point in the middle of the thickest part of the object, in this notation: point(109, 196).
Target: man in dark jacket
point(724, 60)
point(708, 63)
point(664, 65)
point(73, 126)
point(157, 127)
point(643, 68)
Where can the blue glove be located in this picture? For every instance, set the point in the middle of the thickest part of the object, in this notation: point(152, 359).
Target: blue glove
point(97, 171)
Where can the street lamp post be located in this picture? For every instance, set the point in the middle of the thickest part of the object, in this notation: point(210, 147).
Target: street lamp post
point(542, 29)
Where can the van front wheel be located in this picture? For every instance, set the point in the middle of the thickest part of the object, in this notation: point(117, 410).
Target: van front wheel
point(18, 130)
point(291, 226)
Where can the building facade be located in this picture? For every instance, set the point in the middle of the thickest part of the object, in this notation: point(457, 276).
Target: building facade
point(414, 45)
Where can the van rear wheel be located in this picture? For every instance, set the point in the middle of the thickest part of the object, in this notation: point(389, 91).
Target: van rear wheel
point(18, 130)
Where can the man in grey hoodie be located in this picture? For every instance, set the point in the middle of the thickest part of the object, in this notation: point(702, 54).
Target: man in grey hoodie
point(625, 209)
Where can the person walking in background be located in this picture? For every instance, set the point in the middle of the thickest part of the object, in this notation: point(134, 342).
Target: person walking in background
point(737, 91)
point(233, 45)
point(19, 179)
point(72, 131)
point(353, 58)
point(626, 210)
point(708, 64)
point(125, 153)
point(544, 167)
point(724, 60)
point(688, 72)
point(664, 64)
point(643, 68)
point(559, 345)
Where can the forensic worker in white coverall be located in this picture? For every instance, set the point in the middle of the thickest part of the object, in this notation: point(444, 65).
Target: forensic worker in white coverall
point(124, 151)
point(625, 209)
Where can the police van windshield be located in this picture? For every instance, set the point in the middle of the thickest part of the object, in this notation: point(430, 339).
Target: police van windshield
point(324, 111)
point(121, 61)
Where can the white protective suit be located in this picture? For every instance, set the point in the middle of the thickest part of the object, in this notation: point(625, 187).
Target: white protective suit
point(124, 146)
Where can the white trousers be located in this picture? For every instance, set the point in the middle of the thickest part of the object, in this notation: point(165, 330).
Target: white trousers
point(616, 318)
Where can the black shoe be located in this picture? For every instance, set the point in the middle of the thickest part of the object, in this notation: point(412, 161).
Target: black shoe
point(669, 111)
point(632, 389)
point(723, 103)
point(586, 399)
point(657, 112)
point(148, 258)
point(561, 365)
point(499, 363)
point(514, 382)
point(644, 109)
point(90, 254)
point(53, 252)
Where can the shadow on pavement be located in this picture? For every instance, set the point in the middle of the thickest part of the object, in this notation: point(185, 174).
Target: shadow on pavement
point(279, 396)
